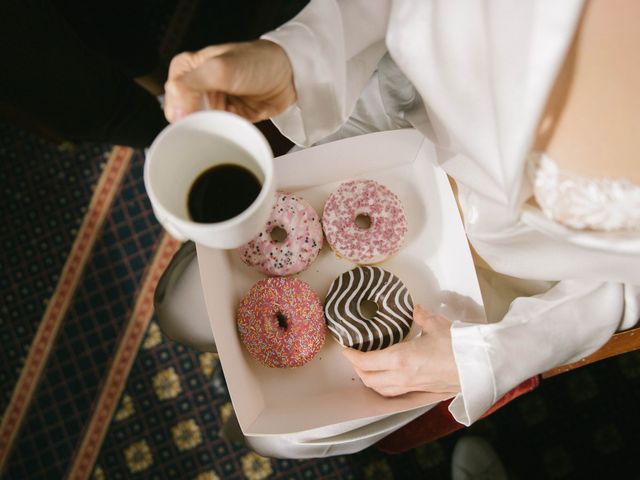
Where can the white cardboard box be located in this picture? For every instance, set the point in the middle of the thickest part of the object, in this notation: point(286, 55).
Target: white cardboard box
point(325, 397)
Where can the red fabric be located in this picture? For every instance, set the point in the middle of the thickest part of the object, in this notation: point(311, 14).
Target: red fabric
point(438, 422)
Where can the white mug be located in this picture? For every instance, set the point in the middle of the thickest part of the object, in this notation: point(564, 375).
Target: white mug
point(189, 147)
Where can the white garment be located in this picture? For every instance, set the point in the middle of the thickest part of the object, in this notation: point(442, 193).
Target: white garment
point(483, 71)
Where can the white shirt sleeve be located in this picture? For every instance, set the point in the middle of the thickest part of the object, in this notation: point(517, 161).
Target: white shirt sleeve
point(631, 314)
point(562, 325)
point(334, 47)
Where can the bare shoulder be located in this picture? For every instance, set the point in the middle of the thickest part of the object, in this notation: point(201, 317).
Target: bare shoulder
point(591, 124)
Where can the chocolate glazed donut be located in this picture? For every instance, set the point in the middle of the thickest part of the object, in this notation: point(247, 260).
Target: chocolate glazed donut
point(368, 308)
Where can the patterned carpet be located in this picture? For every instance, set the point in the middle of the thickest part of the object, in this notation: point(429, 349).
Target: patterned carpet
point(91, 388)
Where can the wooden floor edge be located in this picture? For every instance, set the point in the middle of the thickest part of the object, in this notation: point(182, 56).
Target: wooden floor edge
point(618, 344)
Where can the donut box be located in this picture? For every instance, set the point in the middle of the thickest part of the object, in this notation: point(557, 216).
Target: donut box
point(325, 397)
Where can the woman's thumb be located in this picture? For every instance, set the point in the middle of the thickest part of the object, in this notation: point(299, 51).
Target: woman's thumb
point(423, 317)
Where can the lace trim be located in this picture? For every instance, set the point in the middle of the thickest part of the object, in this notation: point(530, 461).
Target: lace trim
point(583, 202)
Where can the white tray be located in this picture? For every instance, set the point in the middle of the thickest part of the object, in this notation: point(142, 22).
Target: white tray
point(325, 397)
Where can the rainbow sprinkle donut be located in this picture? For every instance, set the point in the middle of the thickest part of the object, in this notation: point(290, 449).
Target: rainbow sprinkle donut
point(281, 322)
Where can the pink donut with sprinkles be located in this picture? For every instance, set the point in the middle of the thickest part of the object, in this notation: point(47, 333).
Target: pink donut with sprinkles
point(364, 222)
point(290, 240)
point(281, 322)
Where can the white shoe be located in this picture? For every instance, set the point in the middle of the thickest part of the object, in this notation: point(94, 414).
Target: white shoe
point(475, 459)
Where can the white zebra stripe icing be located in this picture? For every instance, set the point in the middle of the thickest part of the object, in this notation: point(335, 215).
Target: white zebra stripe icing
point(356, 324)
point(397, 302)
point(374, 321)
point(384, 293)
point(362, 292)
point(340, 332)
point(405, 301)
point(378, 333)
point(380, 287)
point(345, 320)
point(344, 300)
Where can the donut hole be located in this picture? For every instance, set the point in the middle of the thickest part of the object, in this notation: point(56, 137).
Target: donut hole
point(282, 320)
point(363, 221)
point(368, 308)
point(278, 234)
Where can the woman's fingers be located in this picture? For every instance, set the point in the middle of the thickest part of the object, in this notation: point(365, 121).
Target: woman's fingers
point(425, 363)
point(388, 358)
point(186, 61)
point(429, 321)
point(382, 378)
point(392, 391)
point(184, 93)
point(252, 79)
point(217, 101)
point(386, 383)
point(252, 111)
point(197, 81)
point(421, 316)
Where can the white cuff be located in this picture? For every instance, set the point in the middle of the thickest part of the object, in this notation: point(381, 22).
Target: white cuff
point(477, 386)
point(314, 80)
point(631, 314)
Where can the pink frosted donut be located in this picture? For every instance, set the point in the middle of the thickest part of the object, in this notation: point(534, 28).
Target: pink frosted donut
point(281, 322)
point(364, 221)
point(293, 218)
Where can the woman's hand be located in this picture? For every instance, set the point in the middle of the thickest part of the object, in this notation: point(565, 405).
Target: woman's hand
point(252, 79)
point(425, 363)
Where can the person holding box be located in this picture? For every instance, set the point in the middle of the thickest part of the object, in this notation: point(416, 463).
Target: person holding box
point(534, 110)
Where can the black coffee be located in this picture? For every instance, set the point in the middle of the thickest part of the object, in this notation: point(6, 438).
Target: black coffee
point(221, 193)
